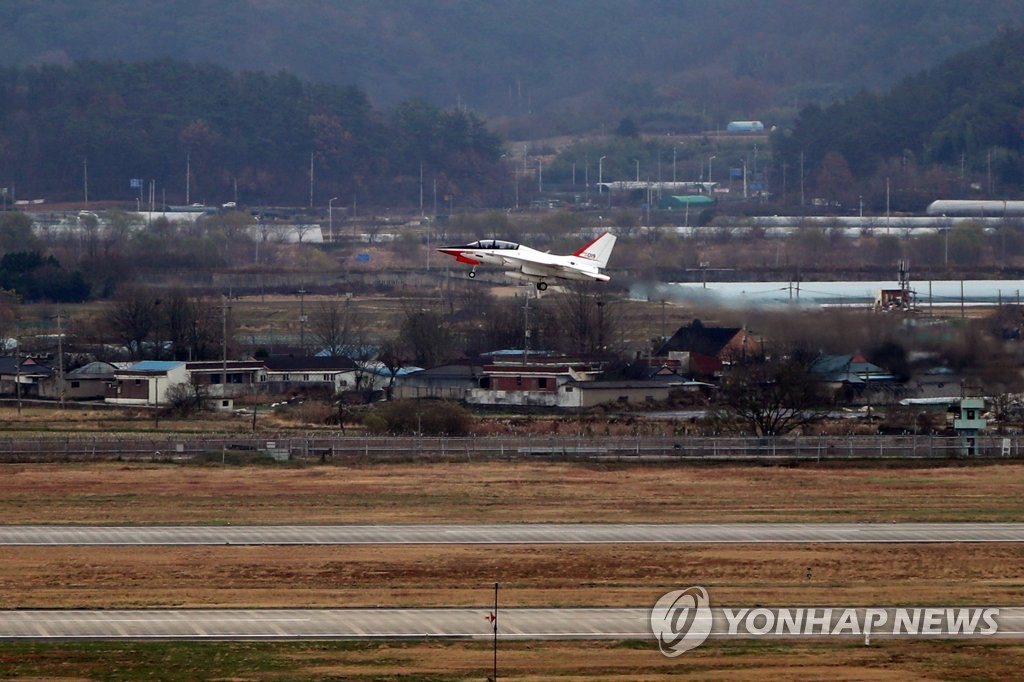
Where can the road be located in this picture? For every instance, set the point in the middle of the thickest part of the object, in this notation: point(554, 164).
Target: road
point(513, 624)
point(540, 533)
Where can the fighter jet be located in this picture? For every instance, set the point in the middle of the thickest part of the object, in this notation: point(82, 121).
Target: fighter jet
point(537, 266)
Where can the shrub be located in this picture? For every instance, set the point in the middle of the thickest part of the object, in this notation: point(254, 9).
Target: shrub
point(423, 417)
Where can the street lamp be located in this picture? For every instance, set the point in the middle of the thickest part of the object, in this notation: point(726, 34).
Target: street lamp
point(600, 172)
point(330, 219)
point(637, 161)
point(710, 159)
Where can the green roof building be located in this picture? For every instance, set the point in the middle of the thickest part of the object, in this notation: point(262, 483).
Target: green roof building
point(686, 201)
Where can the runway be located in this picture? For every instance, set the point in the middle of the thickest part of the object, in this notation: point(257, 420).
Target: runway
point(460, 623)
point(513, 624)
point(541, 533)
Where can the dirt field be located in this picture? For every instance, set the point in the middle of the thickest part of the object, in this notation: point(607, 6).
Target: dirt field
point(549, 575)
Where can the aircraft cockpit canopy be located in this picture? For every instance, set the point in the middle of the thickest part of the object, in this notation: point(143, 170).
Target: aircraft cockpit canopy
point(493, 244)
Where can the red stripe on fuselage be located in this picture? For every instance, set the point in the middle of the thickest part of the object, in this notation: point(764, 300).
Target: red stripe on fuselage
point(459, 256)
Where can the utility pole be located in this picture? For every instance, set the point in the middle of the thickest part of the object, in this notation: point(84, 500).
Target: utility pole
point(586, 176)
point(493, 617)
point(526, 326)
point(515, 174)
point(302, 320)
point(60, 359)
point(990, 173)
point(801, 178)
point(887, 205)
point(224, 345)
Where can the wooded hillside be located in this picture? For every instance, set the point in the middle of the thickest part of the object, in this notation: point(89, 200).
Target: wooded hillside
point(534, 67)
point(962, 119)
point(249, 136)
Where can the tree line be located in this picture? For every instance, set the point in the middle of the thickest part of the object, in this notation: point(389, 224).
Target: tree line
point(543, 68)
point(202, 133)
point(953, 130)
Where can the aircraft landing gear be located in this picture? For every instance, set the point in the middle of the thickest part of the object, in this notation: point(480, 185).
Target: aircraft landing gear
point(472, 274)
point(542, 286)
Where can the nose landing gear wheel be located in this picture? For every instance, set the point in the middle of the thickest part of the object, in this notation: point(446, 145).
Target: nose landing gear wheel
point(472, 274)
point(541, 286)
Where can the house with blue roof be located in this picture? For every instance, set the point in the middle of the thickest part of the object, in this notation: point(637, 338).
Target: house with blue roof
point(145, 382)
point(148, 382)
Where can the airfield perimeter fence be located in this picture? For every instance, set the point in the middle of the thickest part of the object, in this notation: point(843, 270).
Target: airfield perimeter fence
point(291, 447)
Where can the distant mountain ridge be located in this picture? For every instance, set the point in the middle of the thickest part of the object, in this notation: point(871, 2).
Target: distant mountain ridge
point(562, 66)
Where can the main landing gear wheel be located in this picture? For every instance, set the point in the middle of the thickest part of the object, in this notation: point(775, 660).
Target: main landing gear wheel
point(472, 274)
point(541, 286)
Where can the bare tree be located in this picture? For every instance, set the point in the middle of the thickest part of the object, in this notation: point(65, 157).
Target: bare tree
point(9, 308)
point(301, 229)
point(492, 323)
point(772, 395)
point(119, 230)
point(392, 357)
point(334, 327)
point(133, 319)
point(194, 326)
point(187, 397)
point(586, 320)
point(427, 335)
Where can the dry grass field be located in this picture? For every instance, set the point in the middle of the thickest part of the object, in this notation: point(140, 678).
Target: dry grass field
point(571, 661)
point(537, 576)
point(527, 492)
point(548, 575)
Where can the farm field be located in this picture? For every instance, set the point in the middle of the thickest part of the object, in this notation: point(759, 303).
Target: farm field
point(549, 575)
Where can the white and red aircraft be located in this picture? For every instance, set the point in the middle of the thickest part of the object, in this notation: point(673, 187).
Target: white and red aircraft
point(536, 266)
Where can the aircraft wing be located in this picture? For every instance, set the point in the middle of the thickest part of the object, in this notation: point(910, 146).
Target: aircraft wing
point(561, 270)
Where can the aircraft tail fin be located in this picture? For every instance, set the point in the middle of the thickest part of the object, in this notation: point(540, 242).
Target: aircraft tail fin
point(598, 250)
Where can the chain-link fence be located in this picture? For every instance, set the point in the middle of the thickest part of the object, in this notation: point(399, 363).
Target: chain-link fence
point(339, 449)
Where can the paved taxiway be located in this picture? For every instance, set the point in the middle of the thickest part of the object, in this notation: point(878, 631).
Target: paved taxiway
point(221, 624)
point(540, 533)
point(595, 623)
